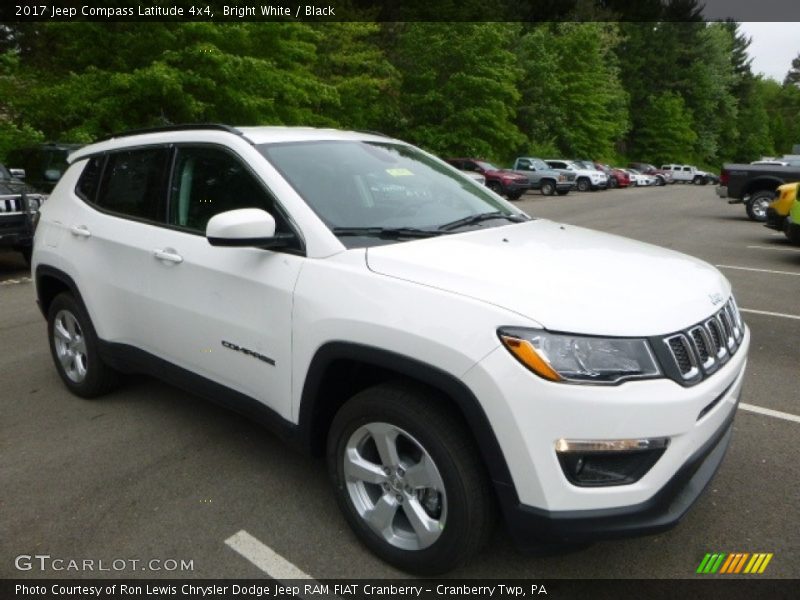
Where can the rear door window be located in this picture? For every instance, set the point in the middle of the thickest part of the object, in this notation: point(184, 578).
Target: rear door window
point(134, 184)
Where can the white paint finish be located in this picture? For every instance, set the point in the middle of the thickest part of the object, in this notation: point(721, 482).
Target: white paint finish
point(567, 278)
point(769, 412)
point(772, 271)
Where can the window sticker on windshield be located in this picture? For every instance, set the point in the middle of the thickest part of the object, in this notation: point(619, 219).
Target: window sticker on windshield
point(399, 172)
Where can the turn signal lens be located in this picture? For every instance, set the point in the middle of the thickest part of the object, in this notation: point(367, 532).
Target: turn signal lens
point(526, 354)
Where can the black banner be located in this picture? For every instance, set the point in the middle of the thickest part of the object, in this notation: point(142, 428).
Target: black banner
point(728, 588)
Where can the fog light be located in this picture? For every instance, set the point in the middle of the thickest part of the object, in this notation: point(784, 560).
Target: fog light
point(591, 463)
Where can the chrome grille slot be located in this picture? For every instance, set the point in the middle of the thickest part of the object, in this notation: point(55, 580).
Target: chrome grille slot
point(698, 351)
point(684, 355)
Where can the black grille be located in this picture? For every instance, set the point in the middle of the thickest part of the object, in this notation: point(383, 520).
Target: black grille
point(700, 344)
point(698, 351)
point(681, 353)
point(716, 336)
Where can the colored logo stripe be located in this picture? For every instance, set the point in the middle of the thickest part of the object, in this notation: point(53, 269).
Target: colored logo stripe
point(720, 562)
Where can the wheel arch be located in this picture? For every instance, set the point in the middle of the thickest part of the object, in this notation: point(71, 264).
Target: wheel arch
point(50, 282)
point(762, 184)
point(341, 369)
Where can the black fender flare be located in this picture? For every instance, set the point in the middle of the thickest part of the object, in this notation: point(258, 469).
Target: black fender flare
point(451, 386)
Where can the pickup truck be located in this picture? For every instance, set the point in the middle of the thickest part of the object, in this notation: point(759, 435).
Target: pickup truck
point(549, 181)
point(754, 185)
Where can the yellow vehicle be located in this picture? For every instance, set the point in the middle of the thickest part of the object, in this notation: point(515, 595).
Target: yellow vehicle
point(779, 208)
point(792, 224)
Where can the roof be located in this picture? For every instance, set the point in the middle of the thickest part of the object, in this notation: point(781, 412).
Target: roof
point(213, 132)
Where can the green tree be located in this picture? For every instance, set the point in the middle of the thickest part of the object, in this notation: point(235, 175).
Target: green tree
point(666, 130)
point(459, 91)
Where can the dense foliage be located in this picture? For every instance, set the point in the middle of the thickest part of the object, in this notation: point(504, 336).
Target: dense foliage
point(666, 91)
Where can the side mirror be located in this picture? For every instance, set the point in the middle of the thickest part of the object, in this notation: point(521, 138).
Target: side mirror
point(52, 174)
point(244, 227)
point(18, 173)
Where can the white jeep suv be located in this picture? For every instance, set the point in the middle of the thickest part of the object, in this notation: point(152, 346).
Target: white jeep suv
point(450, 355)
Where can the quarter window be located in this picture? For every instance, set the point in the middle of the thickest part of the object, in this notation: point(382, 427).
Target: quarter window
point(133, 183)
point(90, 179)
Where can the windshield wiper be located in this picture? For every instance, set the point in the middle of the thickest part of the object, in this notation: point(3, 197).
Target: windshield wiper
point(389, 233)
point(488, 216)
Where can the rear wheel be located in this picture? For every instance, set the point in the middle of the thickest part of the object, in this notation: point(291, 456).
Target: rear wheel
point(409, 479)
point(74, 347)
point(548, 188)
point(756, 206)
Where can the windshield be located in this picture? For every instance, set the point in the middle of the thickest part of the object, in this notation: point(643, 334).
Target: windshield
point(487, 166)
point(354, 184)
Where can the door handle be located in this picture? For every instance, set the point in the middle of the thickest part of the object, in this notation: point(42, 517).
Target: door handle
point(80, 231)
point(168, 255)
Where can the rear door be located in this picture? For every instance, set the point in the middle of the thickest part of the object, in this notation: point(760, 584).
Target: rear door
point(106, 245)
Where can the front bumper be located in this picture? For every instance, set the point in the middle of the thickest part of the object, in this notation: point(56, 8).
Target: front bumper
point(540, 504)
point(515, 187)
point(775, 220)
point(16, 230)
point(531, 526)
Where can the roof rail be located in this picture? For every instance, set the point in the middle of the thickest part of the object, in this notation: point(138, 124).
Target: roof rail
point(181, 127)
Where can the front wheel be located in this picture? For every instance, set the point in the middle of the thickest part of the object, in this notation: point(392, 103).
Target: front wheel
point(584, 185)
point(613, 183)
point(409, 480)
point(514, 195)
point(548, 188)
point(74, 347)
point(756, 206)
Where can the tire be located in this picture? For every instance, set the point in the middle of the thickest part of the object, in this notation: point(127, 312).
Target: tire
point(660, 181)
point(756, 205)
point(562, 192)
point(548, 188)
point(792, 234)
point(495, 187)
point(514, 195)
point(612, 182)
point(456, 510)
point(697, 180)
point(75, 349)
point(584, 185)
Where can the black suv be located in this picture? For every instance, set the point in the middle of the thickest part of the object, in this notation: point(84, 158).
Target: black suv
point(43, 164)
point(18, 205)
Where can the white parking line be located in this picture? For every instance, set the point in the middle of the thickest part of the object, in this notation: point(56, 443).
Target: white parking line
point(277, 567)
point(769, 412)
point(15, 281)
point(264, 557)
point(769, 313)
point(758, 270)
point(781, 248)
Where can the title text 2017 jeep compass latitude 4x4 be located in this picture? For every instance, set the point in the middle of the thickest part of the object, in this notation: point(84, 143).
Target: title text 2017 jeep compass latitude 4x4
point(447, 353)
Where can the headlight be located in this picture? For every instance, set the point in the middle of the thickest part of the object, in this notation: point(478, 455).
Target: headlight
point(33, 203)
point(580, 359)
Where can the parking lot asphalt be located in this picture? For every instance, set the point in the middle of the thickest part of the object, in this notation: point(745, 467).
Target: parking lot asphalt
point(150, 472)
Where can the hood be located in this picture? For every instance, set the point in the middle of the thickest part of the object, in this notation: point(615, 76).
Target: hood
point(563, 277)
point(12, 186)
